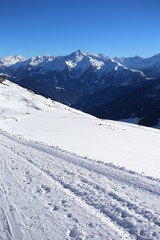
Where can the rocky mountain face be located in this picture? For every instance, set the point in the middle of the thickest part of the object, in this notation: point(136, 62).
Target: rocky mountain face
point(116, 88)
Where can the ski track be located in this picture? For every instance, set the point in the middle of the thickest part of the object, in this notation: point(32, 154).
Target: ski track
point(47, 193)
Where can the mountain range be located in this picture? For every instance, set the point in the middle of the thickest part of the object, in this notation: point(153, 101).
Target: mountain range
point(126, 89)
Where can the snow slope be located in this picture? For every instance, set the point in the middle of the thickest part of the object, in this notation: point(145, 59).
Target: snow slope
point(49, 194)
point(46, 193)
point(34, 117)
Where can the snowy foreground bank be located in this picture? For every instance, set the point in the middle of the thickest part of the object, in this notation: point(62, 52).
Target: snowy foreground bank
point(50, 194)
point(46, 193)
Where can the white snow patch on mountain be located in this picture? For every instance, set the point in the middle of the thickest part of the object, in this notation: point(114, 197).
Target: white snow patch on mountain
point(11, 60)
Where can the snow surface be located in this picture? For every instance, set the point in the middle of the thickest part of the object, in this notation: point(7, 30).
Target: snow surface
point(49, 194)
point(37, 118)
point(46, 193)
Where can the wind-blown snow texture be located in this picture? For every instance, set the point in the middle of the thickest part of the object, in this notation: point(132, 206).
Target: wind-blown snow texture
point(47, 193)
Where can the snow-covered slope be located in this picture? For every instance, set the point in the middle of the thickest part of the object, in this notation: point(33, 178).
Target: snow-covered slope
point(37, 118)
point(48, 193)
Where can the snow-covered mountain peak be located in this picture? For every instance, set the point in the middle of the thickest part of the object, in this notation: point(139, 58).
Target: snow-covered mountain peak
point(80, 60)
point(139, 62)
point(34, 61)
point(11, 60)
point(77, 62)
point(74, 58)
point(150, 66)
point(78, 53)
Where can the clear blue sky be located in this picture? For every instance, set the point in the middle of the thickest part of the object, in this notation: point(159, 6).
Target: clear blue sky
point(59, 27)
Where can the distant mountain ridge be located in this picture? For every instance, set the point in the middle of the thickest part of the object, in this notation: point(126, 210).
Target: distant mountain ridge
point(149, 66)
point(72, 60)
point(94, 83)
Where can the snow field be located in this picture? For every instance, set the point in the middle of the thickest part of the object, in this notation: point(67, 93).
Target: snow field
point(84, 191)
point(36, 118)
point(51, 194)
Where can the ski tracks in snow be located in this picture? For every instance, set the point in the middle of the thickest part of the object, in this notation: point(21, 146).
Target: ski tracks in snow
point(47, 193)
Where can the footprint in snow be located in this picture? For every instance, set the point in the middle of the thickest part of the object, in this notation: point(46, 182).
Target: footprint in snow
point(46, 189)
point(42, 189)
point(76, 234)
point(56, 208)
point(70, 216)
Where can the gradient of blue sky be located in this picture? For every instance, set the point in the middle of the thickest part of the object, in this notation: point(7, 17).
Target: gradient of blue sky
point(59, 27)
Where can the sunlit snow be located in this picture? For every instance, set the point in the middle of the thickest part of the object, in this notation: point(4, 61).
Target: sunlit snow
point(49, 192)
point(35, 117)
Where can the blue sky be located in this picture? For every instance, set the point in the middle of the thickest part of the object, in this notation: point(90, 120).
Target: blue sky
point(59, 27)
